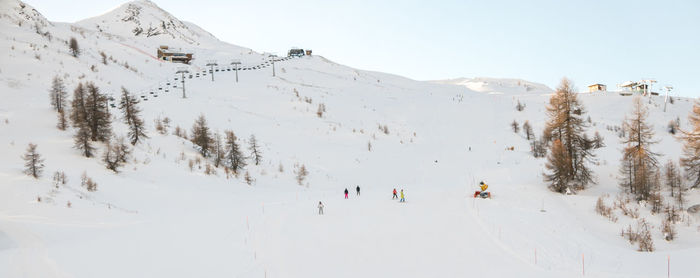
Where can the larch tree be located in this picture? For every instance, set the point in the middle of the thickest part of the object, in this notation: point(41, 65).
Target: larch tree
point(58, 94)
point(217, 151)
point(132, 117)
point(255, 153)
point(79, 118)
point(527, 129)
point(116, 154)
point(74, 48)
point(33, 163)
point(641, 163)
point(515, 126)
point(234, 159)
point(99, 119)
point(690, 161)
point(558, 165)
point(201, 136)
point(672, 177)
point(567, 125)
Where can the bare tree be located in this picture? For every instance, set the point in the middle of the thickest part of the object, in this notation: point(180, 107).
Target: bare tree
point(33, 163)
point(116, 154)
point(255, 153)
point(519, 106)
point(302, 173)
point(515, 126)
point(131, 114)
point(88, 183)
point(74, 48)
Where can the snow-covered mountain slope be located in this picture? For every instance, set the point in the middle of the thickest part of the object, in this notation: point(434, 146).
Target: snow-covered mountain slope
point(162, 215)
point(499, 85)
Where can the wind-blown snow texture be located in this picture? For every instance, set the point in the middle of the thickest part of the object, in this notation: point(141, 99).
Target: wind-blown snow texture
point(158, 218)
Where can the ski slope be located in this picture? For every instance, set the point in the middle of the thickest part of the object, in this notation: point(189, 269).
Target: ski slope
point(159, 218)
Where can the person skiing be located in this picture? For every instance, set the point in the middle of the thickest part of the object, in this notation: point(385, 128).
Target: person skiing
point(320, 208)
point(394, 197)
point(346, 193)
point(358, 190)
point(403, 197)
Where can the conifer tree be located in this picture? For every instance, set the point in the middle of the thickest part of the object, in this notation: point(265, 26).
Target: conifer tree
point(690, 160)
point(566, 124)
point(99, 120)
point(641, 161)
point(234, 158)
point(559, 165)
point(58, 94)
point(255, 150)
point(74, 48)
point(201, 136)
point(218, 151)
point(131, 114)
point(33, 163)
point(527, 129)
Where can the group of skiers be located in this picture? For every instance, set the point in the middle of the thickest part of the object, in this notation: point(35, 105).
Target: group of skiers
point(357, 189)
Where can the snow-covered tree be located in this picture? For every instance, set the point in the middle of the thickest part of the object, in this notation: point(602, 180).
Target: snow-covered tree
point(33, 163)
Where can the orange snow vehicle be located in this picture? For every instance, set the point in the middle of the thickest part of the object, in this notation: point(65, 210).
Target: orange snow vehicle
point(482, 193)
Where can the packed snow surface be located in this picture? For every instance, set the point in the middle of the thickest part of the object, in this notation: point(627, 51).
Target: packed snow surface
point(159, 217)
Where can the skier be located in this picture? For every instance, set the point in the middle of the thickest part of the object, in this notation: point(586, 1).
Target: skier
point(403, 198)
point(358, 190)
point(346, 193)
point(320, 208)
point(394, 197)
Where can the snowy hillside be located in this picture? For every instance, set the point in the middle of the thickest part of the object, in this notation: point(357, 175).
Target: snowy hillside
point(499, 85)
point(165, 215)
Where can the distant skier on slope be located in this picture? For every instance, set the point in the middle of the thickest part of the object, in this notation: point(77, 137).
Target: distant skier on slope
point(346, 193)
point(403, 197)
point(358, 190)
point(394, 197)
point(320, 208)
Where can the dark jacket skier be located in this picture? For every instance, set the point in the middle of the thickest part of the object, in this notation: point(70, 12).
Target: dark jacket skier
point(358, 190)
point(346, 193)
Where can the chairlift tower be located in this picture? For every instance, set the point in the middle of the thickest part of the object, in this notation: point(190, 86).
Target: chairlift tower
point(237, 63)
point(668, 89)
point(211, 64)
point(273, 57)
point(182, 71)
